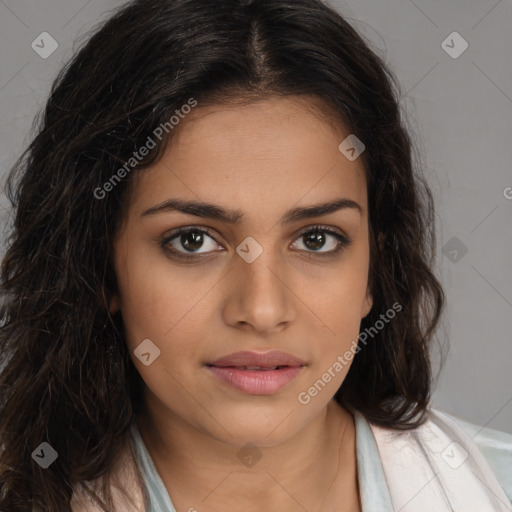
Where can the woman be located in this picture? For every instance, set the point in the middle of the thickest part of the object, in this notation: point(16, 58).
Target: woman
point(219, 282)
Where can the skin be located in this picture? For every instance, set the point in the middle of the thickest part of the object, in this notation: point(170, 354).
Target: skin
point(263, 159)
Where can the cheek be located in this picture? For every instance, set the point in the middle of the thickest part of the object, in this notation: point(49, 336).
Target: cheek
point(145, 295)
point(155, 308)
point(339, 300)
point(161, 304)
point(339, 308)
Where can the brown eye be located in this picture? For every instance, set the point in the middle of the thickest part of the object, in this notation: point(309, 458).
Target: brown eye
point(187, 242)
point(191, 241)
point(318, 238)
point(314, 240)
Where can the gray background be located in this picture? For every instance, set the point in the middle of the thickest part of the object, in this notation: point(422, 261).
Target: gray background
point(461, 111)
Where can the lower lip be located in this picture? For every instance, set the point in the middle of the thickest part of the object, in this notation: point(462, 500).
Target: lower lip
point(256, 382)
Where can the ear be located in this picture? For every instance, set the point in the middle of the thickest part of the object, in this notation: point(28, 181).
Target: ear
point(368, 301)
point(367, 304)
point(114, 303)
point(381, 239)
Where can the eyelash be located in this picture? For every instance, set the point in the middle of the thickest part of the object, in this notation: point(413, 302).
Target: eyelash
point(343, 242)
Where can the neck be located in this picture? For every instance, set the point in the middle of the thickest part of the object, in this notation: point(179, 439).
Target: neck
point(201, 471)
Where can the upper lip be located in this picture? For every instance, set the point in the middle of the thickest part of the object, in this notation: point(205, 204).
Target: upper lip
point(263, 360)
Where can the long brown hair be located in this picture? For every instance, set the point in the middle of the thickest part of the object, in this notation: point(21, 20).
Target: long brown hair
point(66, 375)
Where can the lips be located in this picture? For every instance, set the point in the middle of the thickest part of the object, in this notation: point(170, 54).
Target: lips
point(255, 360)
point(254, 373)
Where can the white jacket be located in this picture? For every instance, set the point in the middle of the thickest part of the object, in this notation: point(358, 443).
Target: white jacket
point(437, 467)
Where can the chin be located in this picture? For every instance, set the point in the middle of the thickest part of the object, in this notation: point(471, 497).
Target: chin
point(264, 429)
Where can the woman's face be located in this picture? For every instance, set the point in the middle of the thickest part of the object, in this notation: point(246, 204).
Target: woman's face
point(266, 282)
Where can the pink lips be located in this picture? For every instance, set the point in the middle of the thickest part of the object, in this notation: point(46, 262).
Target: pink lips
point(257, 373)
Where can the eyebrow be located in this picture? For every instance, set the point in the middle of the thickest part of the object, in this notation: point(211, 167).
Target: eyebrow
point(212, 211)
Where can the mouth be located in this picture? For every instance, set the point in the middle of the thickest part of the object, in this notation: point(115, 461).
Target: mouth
point(256, 373)
point(265, 369)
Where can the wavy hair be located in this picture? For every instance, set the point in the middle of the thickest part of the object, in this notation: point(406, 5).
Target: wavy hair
point(67, 377)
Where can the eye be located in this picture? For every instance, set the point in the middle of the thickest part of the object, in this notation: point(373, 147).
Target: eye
point(189, 238)
point(186, 243)
point(317, 238)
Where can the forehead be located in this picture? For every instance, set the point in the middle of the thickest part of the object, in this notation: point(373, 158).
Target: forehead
point(262, 157)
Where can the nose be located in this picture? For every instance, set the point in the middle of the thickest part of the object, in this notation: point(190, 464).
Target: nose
point(258, 296)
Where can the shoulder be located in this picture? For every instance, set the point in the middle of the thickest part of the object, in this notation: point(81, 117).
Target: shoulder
point(495, 446)
point(127, 493)
point(447, 458)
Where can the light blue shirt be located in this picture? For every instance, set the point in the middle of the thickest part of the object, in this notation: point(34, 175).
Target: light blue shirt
point(495, 446)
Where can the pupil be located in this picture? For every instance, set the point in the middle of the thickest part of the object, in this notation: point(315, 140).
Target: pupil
point(192, 240)
point(316, 238)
